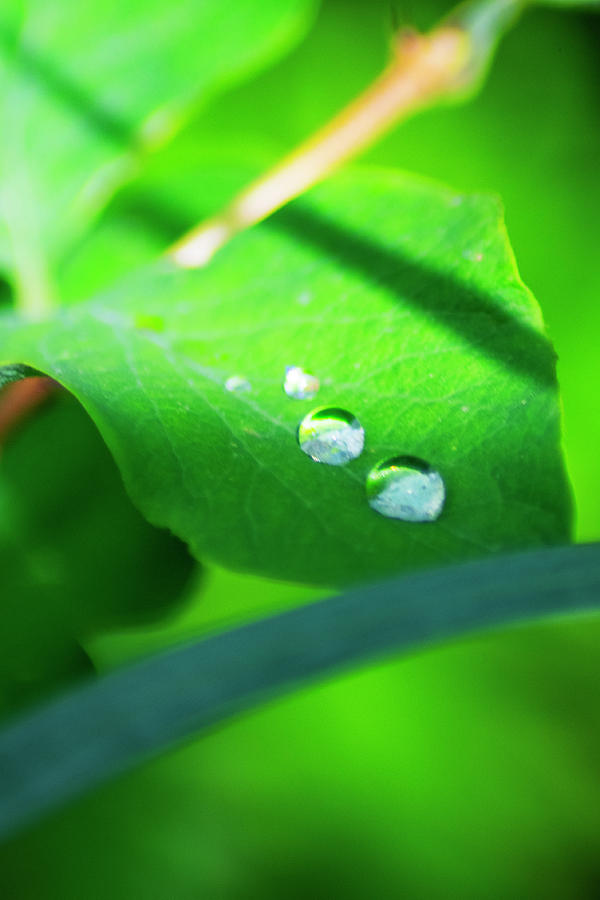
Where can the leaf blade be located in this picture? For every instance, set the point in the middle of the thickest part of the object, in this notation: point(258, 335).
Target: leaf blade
point(109, 725)
point(98, 87)
point(416, 322)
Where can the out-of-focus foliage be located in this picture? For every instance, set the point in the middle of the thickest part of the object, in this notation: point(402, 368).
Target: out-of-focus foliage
point(75, 555)
point(56, 752)
point(592, 5)
point(468, 771)
point(421, 776)
point(88, 90)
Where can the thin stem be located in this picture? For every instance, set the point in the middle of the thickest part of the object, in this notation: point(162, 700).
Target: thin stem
point(34, 296)
point(426, 68)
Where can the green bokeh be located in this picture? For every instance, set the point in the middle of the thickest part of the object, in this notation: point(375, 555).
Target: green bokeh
point(471, 770)
point(76, 557)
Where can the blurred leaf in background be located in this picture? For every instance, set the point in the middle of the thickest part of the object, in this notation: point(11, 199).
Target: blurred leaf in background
point(469, 771)
point(75, 555)
point(459, 772)
point(89, 91)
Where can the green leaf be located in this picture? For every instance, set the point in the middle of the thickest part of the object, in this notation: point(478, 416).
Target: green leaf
point(75, 555)
point(403, 298)
point(88, 89)
point(498, 728)
point(581, 4)
point(59, 751)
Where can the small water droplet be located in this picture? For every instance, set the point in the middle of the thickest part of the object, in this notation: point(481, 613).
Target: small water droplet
point(465, 408)
point(304, 298)
point(237, 384)
point(330, 435)
point(472, 255)
point(298, 384)
point(407, 488)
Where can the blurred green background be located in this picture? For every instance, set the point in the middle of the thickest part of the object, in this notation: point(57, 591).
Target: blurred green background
point(468, 771)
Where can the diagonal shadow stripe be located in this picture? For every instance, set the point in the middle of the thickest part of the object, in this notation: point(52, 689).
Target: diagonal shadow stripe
point(470, 313)
point(33, 65)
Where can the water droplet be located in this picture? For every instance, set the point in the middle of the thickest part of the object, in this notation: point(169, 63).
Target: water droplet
point(465, 409)
point(472, 255)
point(407, 488)
point(304, 298)
point(298, 384)
point(330, 435)
point(238, 384)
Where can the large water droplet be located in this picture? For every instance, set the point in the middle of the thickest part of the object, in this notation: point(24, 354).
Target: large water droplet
point(407, 488)
point(237, 384)
point(330, 435)
point(298, 384)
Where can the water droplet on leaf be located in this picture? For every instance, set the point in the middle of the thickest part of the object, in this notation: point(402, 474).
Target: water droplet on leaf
point(330, 435)
point(473, 255)
point(407, 488)
point(238, 384)
point(298, 384)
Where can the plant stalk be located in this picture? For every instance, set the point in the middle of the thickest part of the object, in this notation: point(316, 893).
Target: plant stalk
point(425, 68)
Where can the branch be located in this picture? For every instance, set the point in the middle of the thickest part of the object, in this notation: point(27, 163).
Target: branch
point(426, 68)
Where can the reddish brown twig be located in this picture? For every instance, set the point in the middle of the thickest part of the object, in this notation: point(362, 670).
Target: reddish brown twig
point(19, 400)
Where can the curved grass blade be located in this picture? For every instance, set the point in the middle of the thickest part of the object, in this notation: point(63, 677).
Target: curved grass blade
point(107, 726)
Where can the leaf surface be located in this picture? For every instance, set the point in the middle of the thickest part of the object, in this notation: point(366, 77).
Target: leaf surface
point(404, 300)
